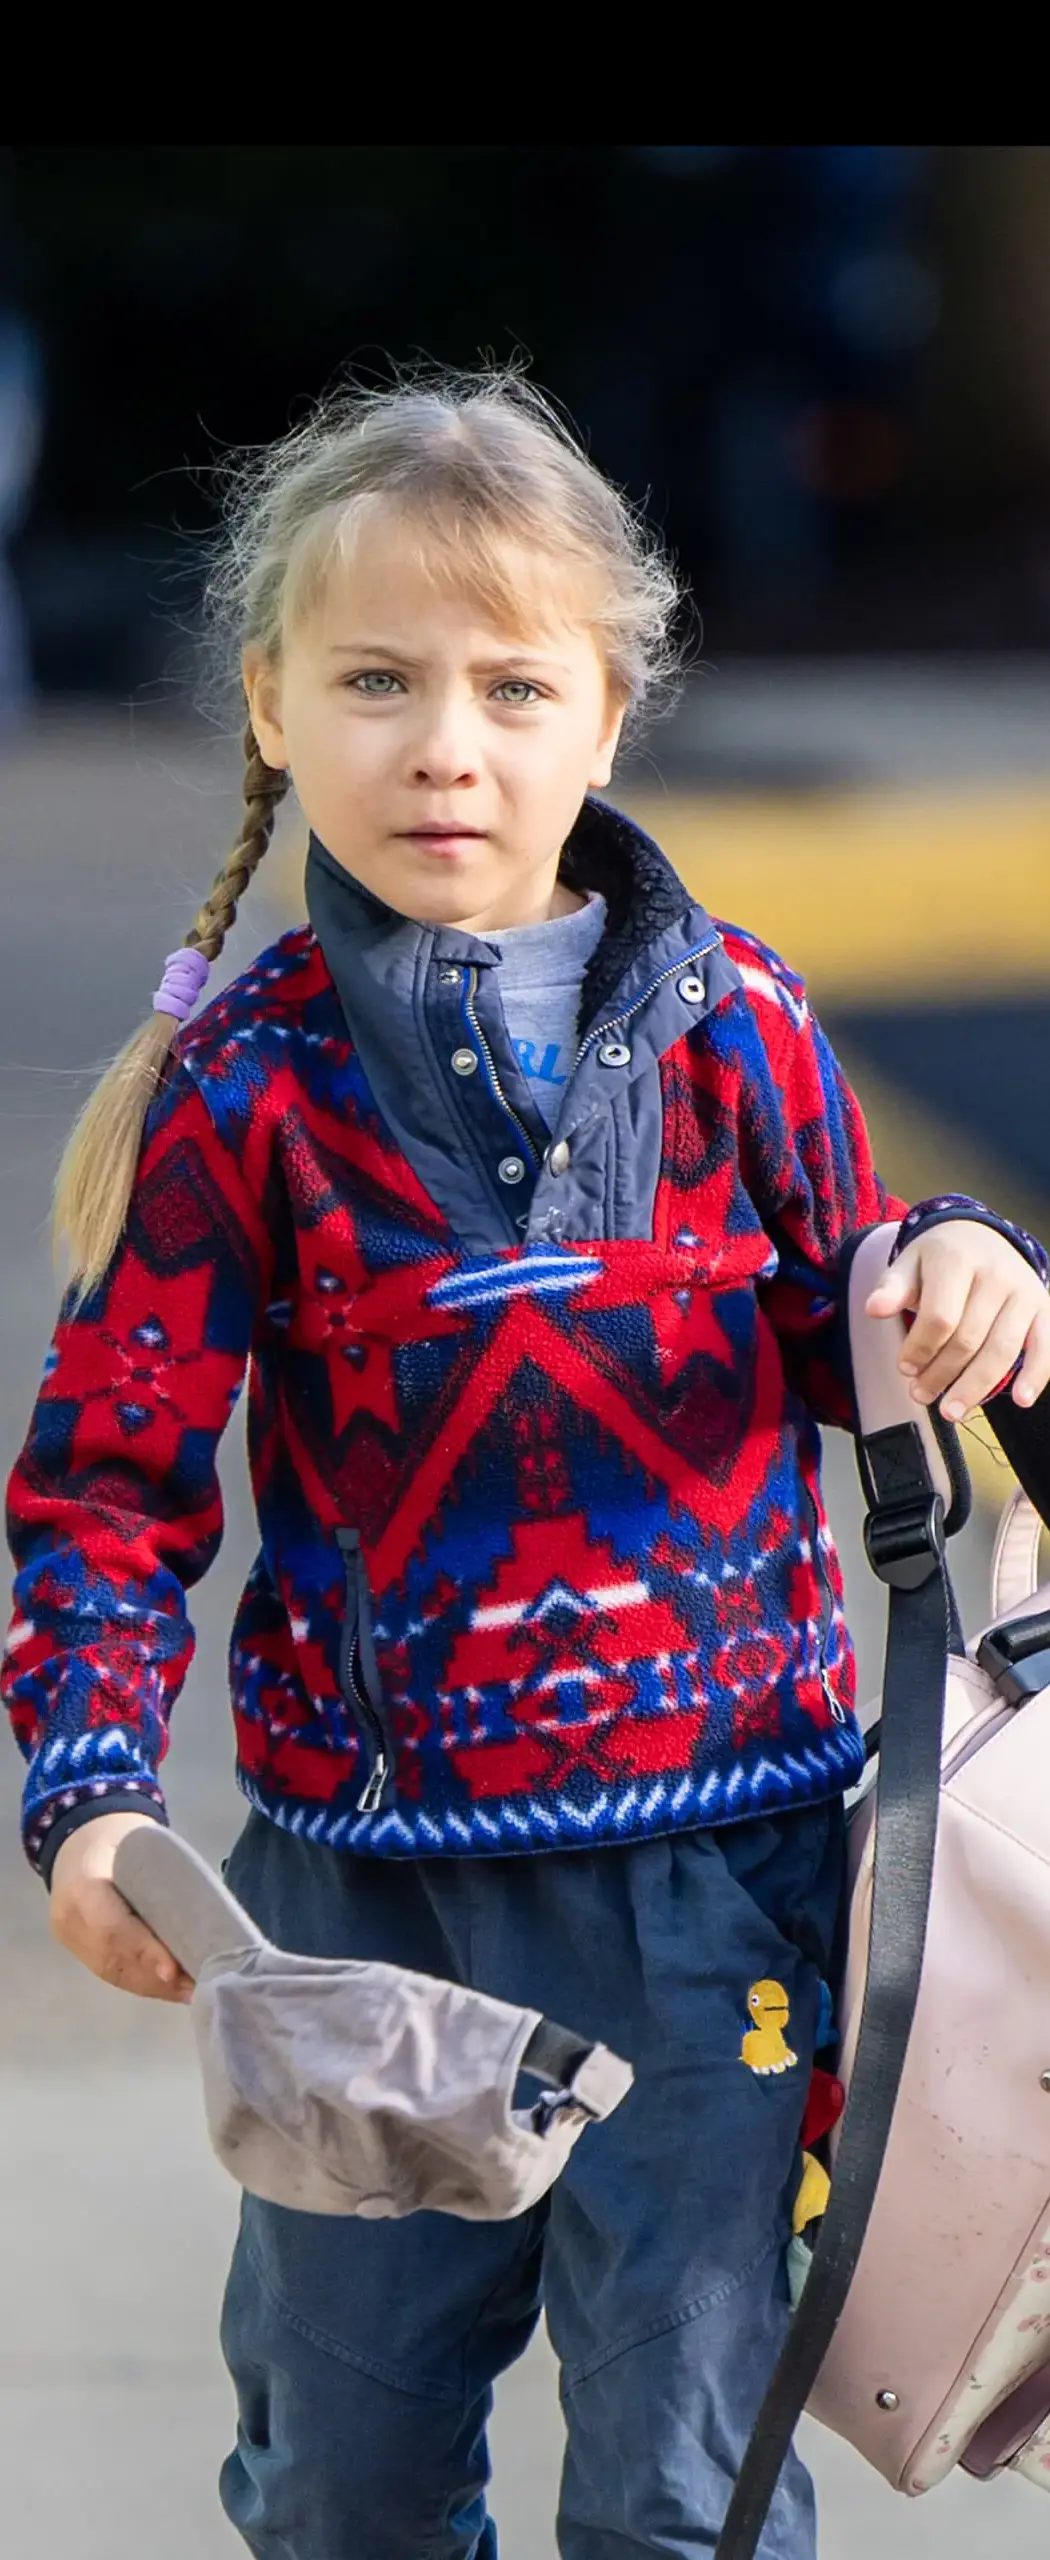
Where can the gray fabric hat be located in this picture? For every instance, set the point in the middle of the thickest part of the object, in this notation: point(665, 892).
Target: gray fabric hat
point(349, 2087)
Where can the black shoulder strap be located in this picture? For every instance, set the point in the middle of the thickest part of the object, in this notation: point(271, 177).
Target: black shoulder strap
point(905, 1543)
point(904, 1536)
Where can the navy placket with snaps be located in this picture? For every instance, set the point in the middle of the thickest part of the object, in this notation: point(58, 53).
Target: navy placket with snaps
point(507, 1136)
point(494, 1108)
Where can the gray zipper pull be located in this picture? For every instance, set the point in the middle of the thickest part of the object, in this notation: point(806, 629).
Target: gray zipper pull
point(838, 1712)
point(369, 1799)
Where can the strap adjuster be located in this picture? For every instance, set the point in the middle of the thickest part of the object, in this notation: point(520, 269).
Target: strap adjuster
point(904, 1541)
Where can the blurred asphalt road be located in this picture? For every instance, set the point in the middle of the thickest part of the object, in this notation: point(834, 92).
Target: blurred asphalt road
point(115, 2223)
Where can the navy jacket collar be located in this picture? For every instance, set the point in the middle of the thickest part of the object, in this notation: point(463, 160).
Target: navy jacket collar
point(643, 894)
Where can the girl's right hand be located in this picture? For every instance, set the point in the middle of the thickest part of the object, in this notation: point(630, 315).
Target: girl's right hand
point(93, 1920)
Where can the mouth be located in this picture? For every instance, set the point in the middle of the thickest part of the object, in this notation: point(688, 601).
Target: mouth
point(442, 839)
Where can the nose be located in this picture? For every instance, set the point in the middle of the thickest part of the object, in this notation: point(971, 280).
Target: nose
point(445, 749)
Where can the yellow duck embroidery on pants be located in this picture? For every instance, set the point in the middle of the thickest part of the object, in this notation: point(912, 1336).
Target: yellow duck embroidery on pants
point(764, 2049)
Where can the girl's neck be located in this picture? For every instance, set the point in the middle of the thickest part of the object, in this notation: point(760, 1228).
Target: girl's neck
point(563, 902)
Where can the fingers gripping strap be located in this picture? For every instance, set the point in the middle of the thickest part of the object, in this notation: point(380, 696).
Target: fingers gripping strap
point(884, 1399)
point(1015, 1563)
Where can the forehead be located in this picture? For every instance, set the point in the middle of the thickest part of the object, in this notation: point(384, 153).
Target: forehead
point(389, 581)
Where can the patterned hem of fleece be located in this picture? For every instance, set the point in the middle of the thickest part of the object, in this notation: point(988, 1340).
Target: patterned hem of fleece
point(640, 1811)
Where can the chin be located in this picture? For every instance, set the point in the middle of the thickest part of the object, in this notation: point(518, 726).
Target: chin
point(448, 904)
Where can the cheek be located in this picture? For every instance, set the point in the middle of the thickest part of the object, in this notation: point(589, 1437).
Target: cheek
point(330, 750)
point(549, 763)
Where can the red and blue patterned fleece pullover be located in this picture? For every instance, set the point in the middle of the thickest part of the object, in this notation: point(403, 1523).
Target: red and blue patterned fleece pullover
point(533, 1415)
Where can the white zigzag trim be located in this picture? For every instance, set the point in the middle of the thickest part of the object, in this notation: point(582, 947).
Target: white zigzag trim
point(797, 1767)
point(395, 1822)
point(766, 1771)
point(585, 1820)
point(627, 1806)
point(562, 1819)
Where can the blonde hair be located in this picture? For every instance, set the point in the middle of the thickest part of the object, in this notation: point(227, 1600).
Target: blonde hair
point(477, 464)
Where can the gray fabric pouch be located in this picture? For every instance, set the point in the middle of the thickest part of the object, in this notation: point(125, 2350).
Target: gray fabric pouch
point(349, 2087)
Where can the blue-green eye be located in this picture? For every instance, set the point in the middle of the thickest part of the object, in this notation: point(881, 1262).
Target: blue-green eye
point(518, 692)
point(376, 683)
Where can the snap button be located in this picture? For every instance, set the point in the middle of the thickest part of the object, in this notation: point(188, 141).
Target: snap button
point(449, 977)
point(692, 990)
point(613, 1054)
point(464, 1061)
point(511, 1169)
point(558, 1157)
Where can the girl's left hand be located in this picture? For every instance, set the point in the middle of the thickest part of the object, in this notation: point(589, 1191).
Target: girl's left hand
point(978, 1305)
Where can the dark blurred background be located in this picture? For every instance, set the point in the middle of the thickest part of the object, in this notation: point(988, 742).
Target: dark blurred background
point(826, 366)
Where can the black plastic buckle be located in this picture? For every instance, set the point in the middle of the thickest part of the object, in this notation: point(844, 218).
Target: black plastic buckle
point(904, 1542)
point(1017, 1657)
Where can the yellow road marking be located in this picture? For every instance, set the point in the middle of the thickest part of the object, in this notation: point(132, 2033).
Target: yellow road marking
point(877, 894)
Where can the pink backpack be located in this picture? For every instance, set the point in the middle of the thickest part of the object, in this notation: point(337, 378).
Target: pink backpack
point(923, 2331)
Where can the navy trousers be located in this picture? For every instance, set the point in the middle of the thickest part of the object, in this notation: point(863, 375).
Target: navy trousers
point(364, 2353)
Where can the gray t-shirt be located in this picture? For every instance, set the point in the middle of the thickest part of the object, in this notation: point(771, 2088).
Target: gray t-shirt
point(540, 978)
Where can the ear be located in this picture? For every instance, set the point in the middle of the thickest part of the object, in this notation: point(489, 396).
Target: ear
point(605, 751)
point(262, 687)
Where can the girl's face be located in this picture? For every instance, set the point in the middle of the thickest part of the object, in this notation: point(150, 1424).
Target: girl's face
point(442, 759)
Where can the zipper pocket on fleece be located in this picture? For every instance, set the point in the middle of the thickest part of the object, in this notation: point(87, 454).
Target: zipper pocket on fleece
point(359, 1671)
point(827, 1607)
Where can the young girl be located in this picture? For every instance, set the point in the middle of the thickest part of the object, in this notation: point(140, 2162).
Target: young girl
point(523, 1186)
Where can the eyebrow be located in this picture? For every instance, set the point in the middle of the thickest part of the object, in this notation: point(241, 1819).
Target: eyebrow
point(372, 649)
point(479, 666)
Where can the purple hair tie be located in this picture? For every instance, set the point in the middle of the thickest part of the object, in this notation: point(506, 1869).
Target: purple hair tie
point(185, 973)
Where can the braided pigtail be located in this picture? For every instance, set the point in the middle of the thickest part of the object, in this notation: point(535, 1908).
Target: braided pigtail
point(97, 1171)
